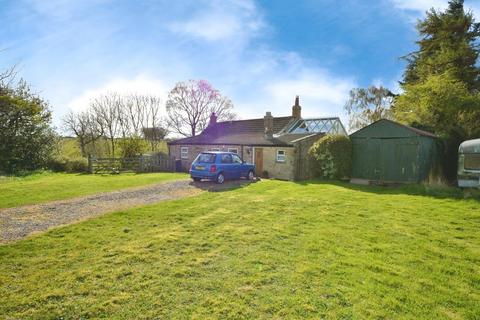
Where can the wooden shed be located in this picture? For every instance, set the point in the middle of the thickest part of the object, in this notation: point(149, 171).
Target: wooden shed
point(389, 152)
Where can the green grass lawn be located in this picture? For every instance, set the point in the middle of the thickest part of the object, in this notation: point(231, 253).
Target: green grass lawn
point(47, 186)
point(270, 250)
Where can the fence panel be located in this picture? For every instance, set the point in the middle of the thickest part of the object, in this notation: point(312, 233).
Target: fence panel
point(144, 163)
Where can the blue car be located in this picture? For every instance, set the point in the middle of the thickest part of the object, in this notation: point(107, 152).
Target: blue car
point(219, 166)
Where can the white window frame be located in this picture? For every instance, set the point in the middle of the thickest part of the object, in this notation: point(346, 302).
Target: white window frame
point(280, 157)
point(230, 150)
point(214, 149)
point(183, 152)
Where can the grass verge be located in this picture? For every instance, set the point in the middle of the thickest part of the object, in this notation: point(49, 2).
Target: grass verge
point(47, 186)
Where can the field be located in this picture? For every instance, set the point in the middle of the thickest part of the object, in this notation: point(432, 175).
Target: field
point(46, 186)
point(268, 250)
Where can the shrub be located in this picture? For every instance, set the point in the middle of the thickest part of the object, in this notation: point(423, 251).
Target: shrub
point(27, 140)
point(333, 156)
point(132, 147)
point(64, 164)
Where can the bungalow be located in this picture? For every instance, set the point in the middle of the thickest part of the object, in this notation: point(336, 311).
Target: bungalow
point(278, 146)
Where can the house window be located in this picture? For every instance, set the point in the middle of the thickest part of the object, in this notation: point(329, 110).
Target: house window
point(280, 155)
point(184, 152)
point(214, 149)
point(234, 150)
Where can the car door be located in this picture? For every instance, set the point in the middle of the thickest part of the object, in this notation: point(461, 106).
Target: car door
point(237, 167)
point(227, 165)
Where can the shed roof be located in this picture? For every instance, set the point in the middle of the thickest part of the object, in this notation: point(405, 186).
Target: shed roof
point(385, 128)
point(470, 146)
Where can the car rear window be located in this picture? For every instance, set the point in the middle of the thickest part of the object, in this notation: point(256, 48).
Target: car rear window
point(206, 158)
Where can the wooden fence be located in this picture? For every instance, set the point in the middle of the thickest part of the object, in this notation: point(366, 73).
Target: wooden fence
point(143, 163)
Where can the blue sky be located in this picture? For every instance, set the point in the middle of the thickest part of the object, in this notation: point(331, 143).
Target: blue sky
point(259, 53)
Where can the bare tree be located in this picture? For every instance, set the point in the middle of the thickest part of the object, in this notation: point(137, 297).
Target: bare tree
point(7, 77)
point(190, 105)
point(106, 109)
point(114, 116)
point(138, 112)
point(85, 126)
point(155, 127)
point(367, 105)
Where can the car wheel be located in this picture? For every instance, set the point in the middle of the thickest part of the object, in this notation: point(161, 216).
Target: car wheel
point(220, 178)
point(196, 179)
point(250, 175)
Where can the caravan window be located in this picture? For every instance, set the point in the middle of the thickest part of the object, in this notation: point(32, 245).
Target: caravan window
point(472, 161)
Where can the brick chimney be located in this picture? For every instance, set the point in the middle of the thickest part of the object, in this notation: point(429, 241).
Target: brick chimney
point(268, 123)
point(296, 109)
point(213, 119)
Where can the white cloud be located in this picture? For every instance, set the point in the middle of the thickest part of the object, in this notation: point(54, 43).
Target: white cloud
point(220, 41)
point(141, 85)
point(221, 20)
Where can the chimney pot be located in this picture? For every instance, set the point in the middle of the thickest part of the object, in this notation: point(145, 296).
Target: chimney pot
point(213, 119)
point(297, 109)
point(268, 124)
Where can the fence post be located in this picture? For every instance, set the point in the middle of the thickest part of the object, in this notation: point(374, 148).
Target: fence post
point(142, 164)
point(90, 165)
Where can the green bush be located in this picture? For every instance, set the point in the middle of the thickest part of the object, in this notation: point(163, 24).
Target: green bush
point(64, 164)
point(27, 140)
point(132, 147)
point(333, 155)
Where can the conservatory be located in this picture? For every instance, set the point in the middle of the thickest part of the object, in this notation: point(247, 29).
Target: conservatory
point(469, 164)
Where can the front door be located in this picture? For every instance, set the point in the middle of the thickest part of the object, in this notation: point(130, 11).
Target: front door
point(258, 155)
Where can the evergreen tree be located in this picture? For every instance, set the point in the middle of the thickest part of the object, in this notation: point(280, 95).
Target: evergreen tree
point(441, 85)
point(448, 43)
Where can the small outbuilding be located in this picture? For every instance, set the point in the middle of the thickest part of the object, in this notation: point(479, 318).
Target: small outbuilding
point(390, 152)
point(469, 164)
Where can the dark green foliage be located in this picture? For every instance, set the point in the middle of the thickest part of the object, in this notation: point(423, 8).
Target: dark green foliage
point(442, 80)
point(448, 43)
point(333, 154)
point(27, 141)
point(441, 83)
point(69, 165)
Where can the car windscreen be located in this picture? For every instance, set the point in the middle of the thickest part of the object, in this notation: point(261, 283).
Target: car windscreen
point(206, 158)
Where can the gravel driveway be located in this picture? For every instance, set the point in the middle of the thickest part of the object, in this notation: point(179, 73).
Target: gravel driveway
point(19, 222)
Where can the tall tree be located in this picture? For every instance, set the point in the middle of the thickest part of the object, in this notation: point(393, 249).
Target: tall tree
point(190, 105)
point(367, 105)
point(442, 80)
point(441, 83)
point(448, 43)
